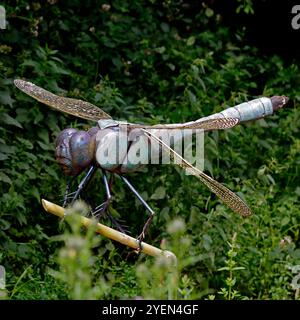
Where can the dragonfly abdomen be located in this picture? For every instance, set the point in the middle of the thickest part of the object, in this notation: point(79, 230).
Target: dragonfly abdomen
point(251, 110)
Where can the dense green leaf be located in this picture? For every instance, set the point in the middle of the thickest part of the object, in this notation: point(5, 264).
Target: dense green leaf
point(150, 62)
point(7, 119)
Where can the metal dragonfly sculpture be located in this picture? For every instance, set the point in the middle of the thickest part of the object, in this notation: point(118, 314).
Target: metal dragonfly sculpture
point(77, 150)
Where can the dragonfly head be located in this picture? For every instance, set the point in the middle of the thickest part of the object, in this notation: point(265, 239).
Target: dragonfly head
point(75, 150)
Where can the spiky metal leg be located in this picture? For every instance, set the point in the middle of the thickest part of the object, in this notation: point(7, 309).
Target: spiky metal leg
point(103, 209)
point(141, 237)
point(71, 197)
point(98, 212)
point(83, 183)
point(68, 194)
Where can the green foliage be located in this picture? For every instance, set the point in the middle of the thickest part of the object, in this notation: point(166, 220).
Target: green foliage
point(148, 62)
point(76, 261)
point(228, 292)
point(163, 278)
point(246, 6)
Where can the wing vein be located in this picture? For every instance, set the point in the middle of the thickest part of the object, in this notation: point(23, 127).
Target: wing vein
point(75, 107)
point(232, 200)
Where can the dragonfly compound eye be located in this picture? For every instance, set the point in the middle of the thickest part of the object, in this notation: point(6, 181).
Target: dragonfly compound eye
point(74, 151)
point(65, 134)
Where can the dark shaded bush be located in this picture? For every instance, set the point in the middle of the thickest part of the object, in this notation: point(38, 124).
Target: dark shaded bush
point(151, 62)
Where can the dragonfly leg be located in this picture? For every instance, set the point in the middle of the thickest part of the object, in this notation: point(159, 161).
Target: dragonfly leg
point(141, 237)
point(100, 210)
point(103, 209)
point(67, 192)
point(71, 197)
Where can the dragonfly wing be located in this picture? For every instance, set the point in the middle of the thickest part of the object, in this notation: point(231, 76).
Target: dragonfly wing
point(75, 107)
point(210, 124)
point(227, 196)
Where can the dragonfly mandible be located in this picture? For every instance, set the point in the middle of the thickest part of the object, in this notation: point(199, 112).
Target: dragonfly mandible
point(78, 150)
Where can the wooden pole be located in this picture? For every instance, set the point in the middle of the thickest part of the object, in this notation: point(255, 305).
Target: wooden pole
point(112, 233)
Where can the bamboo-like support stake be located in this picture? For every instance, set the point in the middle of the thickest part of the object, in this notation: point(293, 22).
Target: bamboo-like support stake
point(112, 233)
